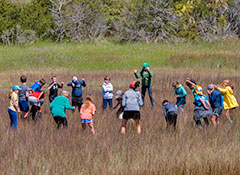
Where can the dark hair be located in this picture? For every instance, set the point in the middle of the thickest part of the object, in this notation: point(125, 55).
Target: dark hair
point(43, 81)
point(23, 79)
point(192, 81)
point(164, 101)
point(54, 77)
point(137, 84)
point(106, 78)
point(174, 83)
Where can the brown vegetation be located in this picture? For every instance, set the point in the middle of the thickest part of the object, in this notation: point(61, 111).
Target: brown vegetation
point(39, 148)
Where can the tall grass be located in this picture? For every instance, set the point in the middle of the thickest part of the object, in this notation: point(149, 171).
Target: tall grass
point(39, 148)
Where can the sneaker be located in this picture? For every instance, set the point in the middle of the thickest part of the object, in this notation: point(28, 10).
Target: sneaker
point(231, 121)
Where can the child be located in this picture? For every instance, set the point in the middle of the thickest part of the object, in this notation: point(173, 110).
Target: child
point(229, 101)
point(170, 113)
point(147, 75)
point(53, 88)
point(88, 109)
point(58, 108)
point(77, 85)
point(13, 108)
point(23, 95)
point(107, 93)
point(202, 108)
point(131, 102)
point(180, 94)
point(36, 87)
point(215, 99)
point(119, 95)
point(36, 100)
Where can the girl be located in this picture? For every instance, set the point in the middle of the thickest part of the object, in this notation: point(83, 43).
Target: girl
point(180, 94)
point(131, 102)
point(229, 101)
point(202, 108)
point(118, 97)
point(87, 111)
point(13, 108)
point(36, 100)
point(107, 93)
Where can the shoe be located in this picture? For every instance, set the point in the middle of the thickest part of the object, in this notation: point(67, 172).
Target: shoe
point(231, 121)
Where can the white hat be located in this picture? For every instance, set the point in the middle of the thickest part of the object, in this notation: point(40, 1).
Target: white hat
point(118, 93)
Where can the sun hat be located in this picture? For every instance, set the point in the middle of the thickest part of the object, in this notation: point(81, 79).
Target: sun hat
point(118, 94)
point(199, 90)
point(145, 64)
point(16, 87)
point(75, 79)
point(210, 87)
point(132, 84)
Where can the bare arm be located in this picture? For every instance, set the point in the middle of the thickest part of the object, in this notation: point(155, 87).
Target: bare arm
point(204, 104)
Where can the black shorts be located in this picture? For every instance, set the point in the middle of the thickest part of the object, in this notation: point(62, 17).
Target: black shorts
point(77, 101)
point(218, 111)
point(131, 115)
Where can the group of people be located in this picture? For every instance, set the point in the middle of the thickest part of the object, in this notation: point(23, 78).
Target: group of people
point(129, 103)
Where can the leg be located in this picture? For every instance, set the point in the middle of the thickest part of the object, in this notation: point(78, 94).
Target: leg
point(182, 107)
point(206, 121)
point(138, 125)
point(123, 127)
point(143, 93)
point(39, 113)
point(10, 116)
point(150, 95)
point(83, 126)
point(174, 121)
point(214, 120)
point(34, 111)
point(56, 119)
point(228, 116)
point(92, 127)
point(104, 104)
point(110, 103)
point(199, 123)
point(65, 123)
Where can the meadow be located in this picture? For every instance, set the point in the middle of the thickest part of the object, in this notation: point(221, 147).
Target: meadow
point(39, 148)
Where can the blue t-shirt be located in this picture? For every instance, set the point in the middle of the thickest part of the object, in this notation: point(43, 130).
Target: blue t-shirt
point(36, 86)
point(216, 99)
point(77, 89)
point(197, 98)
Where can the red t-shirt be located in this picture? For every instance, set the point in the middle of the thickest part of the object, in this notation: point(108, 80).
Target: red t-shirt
point(89, 112)
point(35, 94)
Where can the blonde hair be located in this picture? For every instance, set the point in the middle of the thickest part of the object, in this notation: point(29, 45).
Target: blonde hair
point(87, 102)
point(226, 83)
point(65, 93)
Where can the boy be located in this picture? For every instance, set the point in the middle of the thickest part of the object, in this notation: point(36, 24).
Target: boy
point(23, 95)
point(53, 89)
point(119, 96)
point(180, 94)
point(77, 85)
point(170, 113)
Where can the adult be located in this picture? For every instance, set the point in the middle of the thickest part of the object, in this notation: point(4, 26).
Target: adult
point(147, 74)
point(53, 88)
point(77, 85)
point(215, 99)
point(131, 102)
point(58, 108)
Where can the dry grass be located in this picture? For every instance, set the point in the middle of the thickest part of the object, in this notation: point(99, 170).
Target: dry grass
point(38, 148)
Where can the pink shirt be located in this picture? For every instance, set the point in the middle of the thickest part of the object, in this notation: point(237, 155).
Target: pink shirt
point(89, 112)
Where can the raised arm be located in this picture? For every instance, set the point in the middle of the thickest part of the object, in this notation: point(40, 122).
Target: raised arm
point(222, 90)
point(83, 82)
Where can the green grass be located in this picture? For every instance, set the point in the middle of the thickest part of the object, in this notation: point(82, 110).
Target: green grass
point(109, 56)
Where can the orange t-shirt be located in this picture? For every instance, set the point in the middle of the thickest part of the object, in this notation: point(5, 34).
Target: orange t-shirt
point(89, 112)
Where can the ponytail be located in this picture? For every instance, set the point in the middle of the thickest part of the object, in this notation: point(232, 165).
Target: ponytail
point(10, 93)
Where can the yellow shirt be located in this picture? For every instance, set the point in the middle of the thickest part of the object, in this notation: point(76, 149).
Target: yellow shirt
point(229, 100)
point(14, 97)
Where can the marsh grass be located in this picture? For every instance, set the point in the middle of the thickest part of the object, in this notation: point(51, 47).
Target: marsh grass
point(39, 148)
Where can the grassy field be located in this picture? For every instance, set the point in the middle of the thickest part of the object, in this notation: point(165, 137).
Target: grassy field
point(39, 148)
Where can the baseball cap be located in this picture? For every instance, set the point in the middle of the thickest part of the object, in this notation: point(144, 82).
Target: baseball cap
point(75, 79)
point(132, 84)
point(16, 87)
point(118, 93)
point(210, 87)
point(145, 64)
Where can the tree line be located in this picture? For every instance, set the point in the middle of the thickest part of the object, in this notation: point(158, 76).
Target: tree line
point(119, 20)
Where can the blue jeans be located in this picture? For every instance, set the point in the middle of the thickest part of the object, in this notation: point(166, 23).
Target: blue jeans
point(107, 101)
point(13, 118)
point(144, 89)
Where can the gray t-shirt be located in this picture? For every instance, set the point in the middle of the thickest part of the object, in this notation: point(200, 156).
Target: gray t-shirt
point(22, 92)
